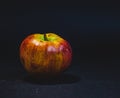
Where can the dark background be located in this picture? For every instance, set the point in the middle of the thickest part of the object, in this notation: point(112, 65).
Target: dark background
point(92, 28)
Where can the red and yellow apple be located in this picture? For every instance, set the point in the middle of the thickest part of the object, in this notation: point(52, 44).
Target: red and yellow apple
point(45, 54)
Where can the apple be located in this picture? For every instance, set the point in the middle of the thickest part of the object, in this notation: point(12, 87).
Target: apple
point(45, 54)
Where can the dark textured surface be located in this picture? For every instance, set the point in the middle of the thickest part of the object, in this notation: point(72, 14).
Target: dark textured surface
point(87, 80)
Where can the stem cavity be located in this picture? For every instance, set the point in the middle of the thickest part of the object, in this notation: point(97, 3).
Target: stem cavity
point(45, 37)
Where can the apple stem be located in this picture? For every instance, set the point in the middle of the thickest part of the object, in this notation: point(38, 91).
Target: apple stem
point(45, 37)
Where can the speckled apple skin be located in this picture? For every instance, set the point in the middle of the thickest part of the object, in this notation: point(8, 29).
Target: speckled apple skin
point(41, 56)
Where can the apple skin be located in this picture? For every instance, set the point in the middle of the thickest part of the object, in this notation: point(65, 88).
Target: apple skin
point(45, 54)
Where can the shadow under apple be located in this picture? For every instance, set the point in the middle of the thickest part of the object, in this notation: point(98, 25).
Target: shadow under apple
point(64, 78)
